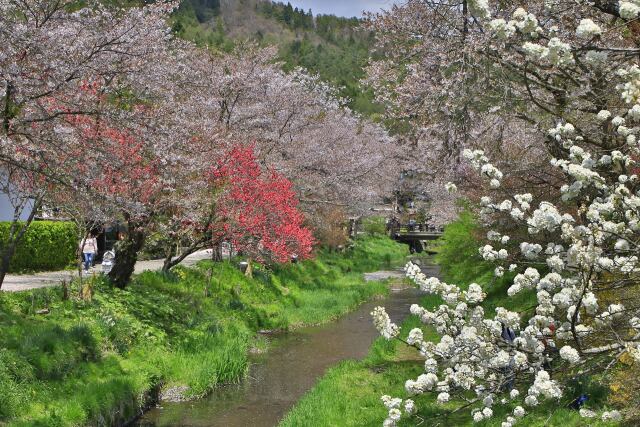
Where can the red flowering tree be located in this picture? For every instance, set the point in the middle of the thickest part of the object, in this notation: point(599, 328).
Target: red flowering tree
point(258, 210)
point(125, 178)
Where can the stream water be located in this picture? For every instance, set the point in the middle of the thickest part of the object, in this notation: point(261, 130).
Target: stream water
point(278, 378)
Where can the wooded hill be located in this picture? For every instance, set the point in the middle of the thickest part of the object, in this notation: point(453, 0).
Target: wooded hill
point(333, 47)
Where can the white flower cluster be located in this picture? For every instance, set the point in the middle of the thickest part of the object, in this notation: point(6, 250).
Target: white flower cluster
point(525, 22)
point(395, 405)
point(543, 386)
point(630, 90)
point(530, 250)
point(556, 52)
point(502, 28)
point(481, 163)
point(480, 8)
point(588, 29)
point(383, 324)
point(545, 218)
point(586, 413)
point(611, 416)
point(489, 254)
point(527, 280)
point(629, 9)
point(570, 354)
point(451, 187)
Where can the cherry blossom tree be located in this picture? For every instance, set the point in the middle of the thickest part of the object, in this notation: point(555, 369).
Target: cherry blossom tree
point(300, 128)
point(51, 54)
point(102, 105)
point(569, 73)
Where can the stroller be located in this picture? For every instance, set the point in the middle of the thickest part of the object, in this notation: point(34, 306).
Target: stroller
point(107, 261)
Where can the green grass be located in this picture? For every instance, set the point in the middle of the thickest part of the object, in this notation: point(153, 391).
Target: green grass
point(101, 361)
point(349, 394)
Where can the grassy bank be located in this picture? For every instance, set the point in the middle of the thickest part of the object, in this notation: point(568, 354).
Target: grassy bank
point(99, 362)
point(349, 394)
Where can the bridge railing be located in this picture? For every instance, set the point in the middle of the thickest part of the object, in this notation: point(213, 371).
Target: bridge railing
point(397, 228)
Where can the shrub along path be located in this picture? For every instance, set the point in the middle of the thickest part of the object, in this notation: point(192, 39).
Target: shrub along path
point(23, 282)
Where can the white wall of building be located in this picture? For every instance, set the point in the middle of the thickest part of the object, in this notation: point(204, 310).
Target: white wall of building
point(6, 210)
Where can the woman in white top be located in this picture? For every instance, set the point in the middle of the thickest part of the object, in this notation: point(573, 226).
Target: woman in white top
point(89, 248)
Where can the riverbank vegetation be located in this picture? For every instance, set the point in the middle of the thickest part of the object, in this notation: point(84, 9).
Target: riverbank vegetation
point(390, 363)
point(77, 361)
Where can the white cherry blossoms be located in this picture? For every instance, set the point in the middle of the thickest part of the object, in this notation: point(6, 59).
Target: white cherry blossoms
point(629, 9)
point(481, 163)
point(396, 406)
point(383, 323)
point(473, 353)
point(576, 258)
point(483, 353)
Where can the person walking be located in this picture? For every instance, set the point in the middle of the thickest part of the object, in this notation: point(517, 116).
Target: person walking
point(89, 248)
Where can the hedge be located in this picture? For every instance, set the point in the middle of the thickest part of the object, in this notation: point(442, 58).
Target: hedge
point(46, 246)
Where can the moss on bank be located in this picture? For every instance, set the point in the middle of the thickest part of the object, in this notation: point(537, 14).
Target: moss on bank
point(100, 362)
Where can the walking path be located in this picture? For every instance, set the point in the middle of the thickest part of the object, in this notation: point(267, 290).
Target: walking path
point(23, 282)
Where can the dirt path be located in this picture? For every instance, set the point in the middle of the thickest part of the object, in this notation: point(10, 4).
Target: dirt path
point(23, 282)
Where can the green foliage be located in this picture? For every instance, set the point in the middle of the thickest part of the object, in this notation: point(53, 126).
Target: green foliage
point(88, 361)
point(46, 245)
point(461, 264)
point(292, 18)
point(204, 10)
point(338, 57)
point(187, 25)
point(374, 226)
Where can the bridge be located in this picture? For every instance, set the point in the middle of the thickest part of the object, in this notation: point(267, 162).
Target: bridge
point(413, 234)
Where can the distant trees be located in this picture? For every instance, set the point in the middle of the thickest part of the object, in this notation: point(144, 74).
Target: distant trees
point(204, 10)
point(103, 109)
point(291, 17)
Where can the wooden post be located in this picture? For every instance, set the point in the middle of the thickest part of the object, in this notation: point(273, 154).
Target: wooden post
point(249, 271)
point(207, 283)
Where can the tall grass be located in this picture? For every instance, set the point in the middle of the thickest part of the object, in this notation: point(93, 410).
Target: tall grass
point(101, 361)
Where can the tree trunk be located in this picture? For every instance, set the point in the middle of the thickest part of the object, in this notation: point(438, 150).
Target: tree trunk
point(249, 271)
point(7, 253)
point(216, 252)
point(169, 253)
point(79, 255)
point(127, 255)
point(171, 262)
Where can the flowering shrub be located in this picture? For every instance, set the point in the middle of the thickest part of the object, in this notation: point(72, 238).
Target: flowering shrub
point(578, 251)
point(258, 210)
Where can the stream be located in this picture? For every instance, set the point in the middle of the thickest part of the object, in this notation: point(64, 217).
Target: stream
point(278, 378)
